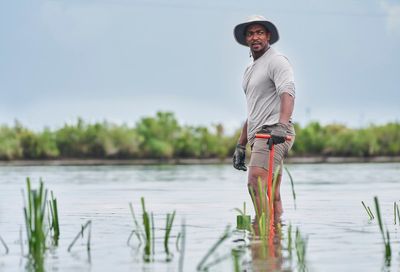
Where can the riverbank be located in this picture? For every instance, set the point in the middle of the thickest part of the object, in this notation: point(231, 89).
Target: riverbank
point(94, 162)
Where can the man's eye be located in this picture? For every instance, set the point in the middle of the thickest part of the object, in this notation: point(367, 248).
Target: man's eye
point(260, 32)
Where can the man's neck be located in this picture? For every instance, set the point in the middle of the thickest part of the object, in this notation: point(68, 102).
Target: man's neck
point(258, 54)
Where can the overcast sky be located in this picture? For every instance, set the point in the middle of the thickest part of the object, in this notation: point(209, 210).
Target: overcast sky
point(120, 60)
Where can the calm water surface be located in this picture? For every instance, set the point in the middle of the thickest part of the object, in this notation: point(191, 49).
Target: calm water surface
point(328, 212)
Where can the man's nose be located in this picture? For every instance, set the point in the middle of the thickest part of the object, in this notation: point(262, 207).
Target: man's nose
point(254, 38)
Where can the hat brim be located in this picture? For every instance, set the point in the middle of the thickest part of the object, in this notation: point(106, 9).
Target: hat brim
point(240, 35)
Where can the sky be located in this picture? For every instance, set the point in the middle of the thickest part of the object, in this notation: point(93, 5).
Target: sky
point(121, 60)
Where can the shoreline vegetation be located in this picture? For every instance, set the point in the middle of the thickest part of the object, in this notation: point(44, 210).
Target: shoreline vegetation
point(188, 161)
point(162, 140)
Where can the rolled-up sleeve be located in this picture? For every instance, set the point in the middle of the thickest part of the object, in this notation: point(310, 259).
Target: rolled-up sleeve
point(281, 74)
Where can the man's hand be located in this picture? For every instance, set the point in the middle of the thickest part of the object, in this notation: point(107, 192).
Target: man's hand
point(239, 157)
point(278, 134)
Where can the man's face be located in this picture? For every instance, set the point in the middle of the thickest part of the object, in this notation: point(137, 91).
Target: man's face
point(257, 38)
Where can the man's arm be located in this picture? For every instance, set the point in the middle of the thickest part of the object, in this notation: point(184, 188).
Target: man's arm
point(240, 151)
point(243, 135)
point(287, 105)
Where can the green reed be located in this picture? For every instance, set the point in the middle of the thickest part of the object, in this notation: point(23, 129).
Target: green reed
point(292, 186)
point(289, 240)
point(202, 266)
point(147, 224)
point(236, 253)
point(34, 214)
point(386, 240)
point(168, 227)
point(145, 232)
point(88, 226)
point(264, 206)
point(54, 223)
point(396, 210)
point(241, 212)
point(368, 210)
point(274, 183)
point(301, 249)
point(137, 231)
point(182, 236)
point(4, 245)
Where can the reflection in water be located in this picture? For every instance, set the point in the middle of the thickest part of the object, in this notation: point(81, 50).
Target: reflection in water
point(268, 253)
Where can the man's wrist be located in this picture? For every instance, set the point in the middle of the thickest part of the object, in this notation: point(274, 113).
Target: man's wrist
point(241, 146)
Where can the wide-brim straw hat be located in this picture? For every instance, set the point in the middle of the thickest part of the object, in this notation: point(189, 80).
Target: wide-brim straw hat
point(240, 30)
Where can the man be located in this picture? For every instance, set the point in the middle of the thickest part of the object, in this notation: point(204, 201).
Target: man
point(269, 88)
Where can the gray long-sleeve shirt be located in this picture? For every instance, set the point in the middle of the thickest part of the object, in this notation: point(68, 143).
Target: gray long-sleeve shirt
point(264, 81)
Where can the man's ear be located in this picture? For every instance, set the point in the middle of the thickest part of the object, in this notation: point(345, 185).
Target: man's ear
point(268, 36)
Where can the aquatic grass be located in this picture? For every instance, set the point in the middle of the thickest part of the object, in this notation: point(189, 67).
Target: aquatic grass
point(241, 212)
point(274, 182)
point(138, 232)
point(236, 253)
point(264, 207)
point(177, 240)
point(134, 232)
point(262, 195)
point(21, 242)
point(262, 226)
point(368, 210)
point(396, 210)
point(254, 200)
point(88, 226)
point(4, 245)
point(145, 232)
point(216, 261)
point(168, 227)
point(153, 236)
point(34, 214)
point(202, 264)
point(147, 224)
point(386, 240)
point(292, 186)
point(54, 222)
point(243, 221)
point(301, 249)
point(289, 240)
point(183, 245)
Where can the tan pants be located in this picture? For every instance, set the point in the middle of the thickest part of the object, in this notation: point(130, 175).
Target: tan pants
point(260, 151)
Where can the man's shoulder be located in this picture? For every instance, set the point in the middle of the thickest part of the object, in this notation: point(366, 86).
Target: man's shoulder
point(278, 59)
point(277, 55)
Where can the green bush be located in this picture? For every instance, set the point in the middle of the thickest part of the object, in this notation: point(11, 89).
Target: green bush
point(162, 137)
point(10, 148)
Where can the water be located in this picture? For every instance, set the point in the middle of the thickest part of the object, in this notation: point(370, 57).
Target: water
point(329, 213)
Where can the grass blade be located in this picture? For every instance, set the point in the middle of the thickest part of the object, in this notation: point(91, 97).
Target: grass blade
point(4, 245)
point(224, 236)
point(168, 227)
point(292, 186)
point(254, 200)
point(367, 210)
point(378, 214)
point(398, 213)
point(80, 234)
point(183, 244)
